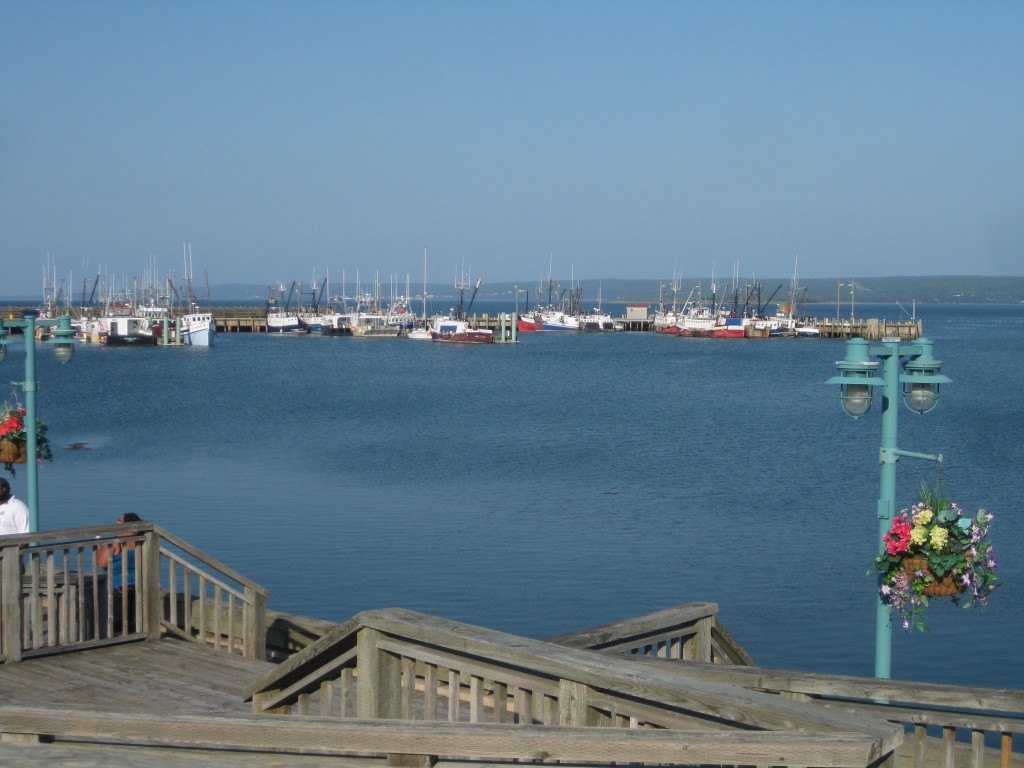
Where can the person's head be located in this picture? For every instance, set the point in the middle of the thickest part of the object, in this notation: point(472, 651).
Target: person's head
point(5, 490)
point(129, 517)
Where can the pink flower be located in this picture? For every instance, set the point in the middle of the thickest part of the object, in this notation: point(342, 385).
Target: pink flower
point(898, 538)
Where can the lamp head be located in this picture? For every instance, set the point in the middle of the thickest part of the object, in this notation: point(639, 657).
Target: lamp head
point(921, 379)
point(856, 378)
point(62, 337)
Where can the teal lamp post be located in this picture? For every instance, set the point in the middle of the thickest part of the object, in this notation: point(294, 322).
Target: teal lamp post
point(63, 342)
point(858, 377)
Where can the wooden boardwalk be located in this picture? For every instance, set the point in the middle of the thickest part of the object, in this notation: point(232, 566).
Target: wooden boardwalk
point(167, 678)
point(186, 682)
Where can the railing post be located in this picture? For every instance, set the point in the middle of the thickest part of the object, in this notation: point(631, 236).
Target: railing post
point(10, 604)
point(380, 678)
point(572, 703)
point(255, 628)
point(151, 594)
point(702, 640)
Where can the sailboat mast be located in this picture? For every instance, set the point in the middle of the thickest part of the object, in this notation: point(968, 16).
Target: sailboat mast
point(424, 286)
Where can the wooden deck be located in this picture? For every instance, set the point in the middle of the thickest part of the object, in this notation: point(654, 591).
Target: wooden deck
point(186, 683)
point(164, 678)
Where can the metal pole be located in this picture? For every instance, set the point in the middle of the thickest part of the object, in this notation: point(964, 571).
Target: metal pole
point(30, 422)
point(887, 497)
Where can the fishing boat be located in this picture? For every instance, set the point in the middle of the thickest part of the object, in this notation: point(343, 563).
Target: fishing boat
point(122, 330)
point(666, 318)
point(557, 320)
point(336, 324)
point(728, 328)
point(281, 320)
point(375, 326)
point(198, 329)
point(455, 331)
point(529, 322)
point(598, 322)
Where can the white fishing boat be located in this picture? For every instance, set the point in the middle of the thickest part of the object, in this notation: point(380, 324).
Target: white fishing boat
point(336, 324)
point(281, 319)
point(123, 330)
point(198, 329)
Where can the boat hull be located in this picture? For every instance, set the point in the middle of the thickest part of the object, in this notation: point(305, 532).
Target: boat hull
point(284, 324)
point(198, 330)
point(462, 337)
point(128, 340)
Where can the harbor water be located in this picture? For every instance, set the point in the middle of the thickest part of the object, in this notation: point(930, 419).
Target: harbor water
point(565, 481)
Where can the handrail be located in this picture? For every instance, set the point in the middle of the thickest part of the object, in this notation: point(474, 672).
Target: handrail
point(690, 631)
point(211, 562)
point(969, 714)
point(397, 664)
point(407, 743)
point(56, 597)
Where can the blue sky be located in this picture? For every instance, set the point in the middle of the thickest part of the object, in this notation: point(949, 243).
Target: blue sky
point(607, 139)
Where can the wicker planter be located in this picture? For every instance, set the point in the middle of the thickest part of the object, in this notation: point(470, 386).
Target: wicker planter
point(944, 587)
point(12, 453)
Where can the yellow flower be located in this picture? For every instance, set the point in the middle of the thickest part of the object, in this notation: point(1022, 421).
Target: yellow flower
point(918, 535)
point(923, 517)
point(939, 537)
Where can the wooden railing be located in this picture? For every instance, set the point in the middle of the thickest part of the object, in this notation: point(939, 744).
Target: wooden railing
point(950, 725)
point(55, 595)
point(395, 664)
point(408, 743)
point(689, 632)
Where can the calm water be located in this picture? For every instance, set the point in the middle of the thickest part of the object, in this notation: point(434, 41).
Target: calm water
point(563, 482)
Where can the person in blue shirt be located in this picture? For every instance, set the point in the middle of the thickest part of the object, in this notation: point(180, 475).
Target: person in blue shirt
point(119, 560)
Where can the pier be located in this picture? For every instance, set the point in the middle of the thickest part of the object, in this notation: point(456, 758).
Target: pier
point(254, 320)
point(185, 679)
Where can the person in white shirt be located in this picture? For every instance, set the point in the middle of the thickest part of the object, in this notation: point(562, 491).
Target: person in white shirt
point(13, 512)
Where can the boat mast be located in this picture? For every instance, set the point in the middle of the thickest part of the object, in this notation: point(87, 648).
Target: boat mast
point(424, 286)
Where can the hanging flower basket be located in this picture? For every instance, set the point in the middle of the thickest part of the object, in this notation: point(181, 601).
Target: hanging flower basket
point(13, 438)
point(12, 453)
point(935, 549)
point(947, 586)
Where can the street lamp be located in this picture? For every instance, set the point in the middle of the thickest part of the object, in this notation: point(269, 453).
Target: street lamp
point(62, 339)
point(920, 389)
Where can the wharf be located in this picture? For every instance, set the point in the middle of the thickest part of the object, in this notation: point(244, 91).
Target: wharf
point(254, 320)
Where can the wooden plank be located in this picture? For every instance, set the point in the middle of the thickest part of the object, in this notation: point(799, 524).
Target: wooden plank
point(306, 735)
